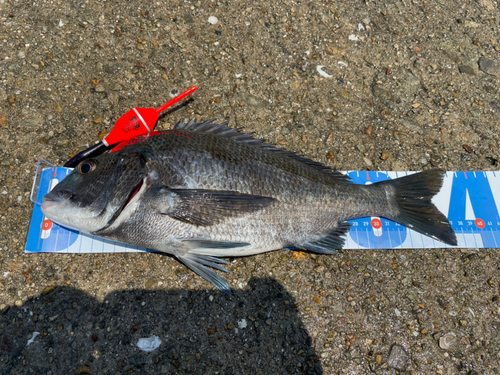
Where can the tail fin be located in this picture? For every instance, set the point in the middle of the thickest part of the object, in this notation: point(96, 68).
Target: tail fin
point(413, 196)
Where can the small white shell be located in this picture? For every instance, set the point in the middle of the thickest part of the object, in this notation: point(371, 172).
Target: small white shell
point(149, 344)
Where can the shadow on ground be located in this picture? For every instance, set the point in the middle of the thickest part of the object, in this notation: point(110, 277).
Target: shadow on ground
point(201, 332)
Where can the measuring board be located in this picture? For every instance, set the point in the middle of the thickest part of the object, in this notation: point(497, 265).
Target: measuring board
point(470, 200)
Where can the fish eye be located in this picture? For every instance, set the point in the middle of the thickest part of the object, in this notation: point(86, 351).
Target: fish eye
point(87, 166)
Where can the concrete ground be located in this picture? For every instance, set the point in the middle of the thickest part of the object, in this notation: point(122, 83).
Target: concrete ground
point(356, 85)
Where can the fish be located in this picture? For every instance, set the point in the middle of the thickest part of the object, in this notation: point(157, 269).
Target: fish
point(204, 191)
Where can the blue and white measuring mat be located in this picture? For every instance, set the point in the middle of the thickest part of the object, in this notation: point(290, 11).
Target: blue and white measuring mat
point(470, 200)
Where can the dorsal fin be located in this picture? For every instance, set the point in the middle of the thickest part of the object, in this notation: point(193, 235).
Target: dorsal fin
point(223, 130)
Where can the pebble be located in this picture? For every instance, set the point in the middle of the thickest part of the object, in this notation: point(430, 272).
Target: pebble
point(368, 162)
point(49, 272)
point(398, 91)
point(212, 20)
point(151, 282)
point(489, 66)
point(295, 85)
point(100, 88)
point(369, 131)
point(446, 341)
point(464, 69)
point(83, 370)
point(299, 255)
point(252, 101)
point(115, 87)
point(398, 358)
point(384, 156)
point(361, 147)
point(378, 359)
point(467, 148)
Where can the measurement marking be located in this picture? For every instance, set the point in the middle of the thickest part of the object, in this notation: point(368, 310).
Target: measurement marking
point(411, 238)
point(465, 174)
point(484, 238)
point(463, 235)
point(80, 244)
point(367, 176)
point(474, 237)
point(390, 235)
point(43, 241)
point(400, 239)
point(494, 239)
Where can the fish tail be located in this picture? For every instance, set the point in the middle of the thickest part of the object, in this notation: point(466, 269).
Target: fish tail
point(414, 209)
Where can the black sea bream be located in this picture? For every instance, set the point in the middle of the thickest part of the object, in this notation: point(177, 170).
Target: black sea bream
point(202, 191)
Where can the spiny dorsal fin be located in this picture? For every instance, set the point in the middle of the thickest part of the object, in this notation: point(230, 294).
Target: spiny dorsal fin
point(223, 130)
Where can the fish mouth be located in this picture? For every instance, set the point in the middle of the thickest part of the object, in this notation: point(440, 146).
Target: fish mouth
point(130, 202)
point(133, 194)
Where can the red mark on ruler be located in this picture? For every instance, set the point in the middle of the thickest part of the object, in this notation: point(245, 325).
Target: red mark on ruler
point(480, 223)
point(376, 223)
point(47, 224)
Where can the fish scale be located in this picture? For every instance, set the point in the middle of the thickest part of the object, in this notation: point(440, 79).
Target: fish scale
point(200, 191)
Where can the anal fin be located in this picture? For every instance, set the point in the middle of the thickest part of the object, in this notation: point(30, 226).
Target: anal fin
point(330, 243)
point(210, 244)
point(197, 263)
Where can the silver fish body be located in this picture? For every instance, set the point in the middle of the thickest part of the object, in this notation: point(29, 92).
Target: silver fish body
point(202, 191)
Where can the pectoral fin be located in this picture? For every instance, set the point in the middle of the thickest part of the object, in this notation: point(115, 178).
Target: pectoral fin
point(197, 263)
point(208, 207)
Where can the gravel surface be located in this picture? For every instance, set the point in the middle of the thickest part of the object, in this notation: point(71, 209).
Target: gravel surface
point(378, 85)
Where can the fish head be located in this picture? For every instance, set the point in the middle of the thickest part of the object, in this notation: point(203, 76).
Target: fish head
point(92, 196)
